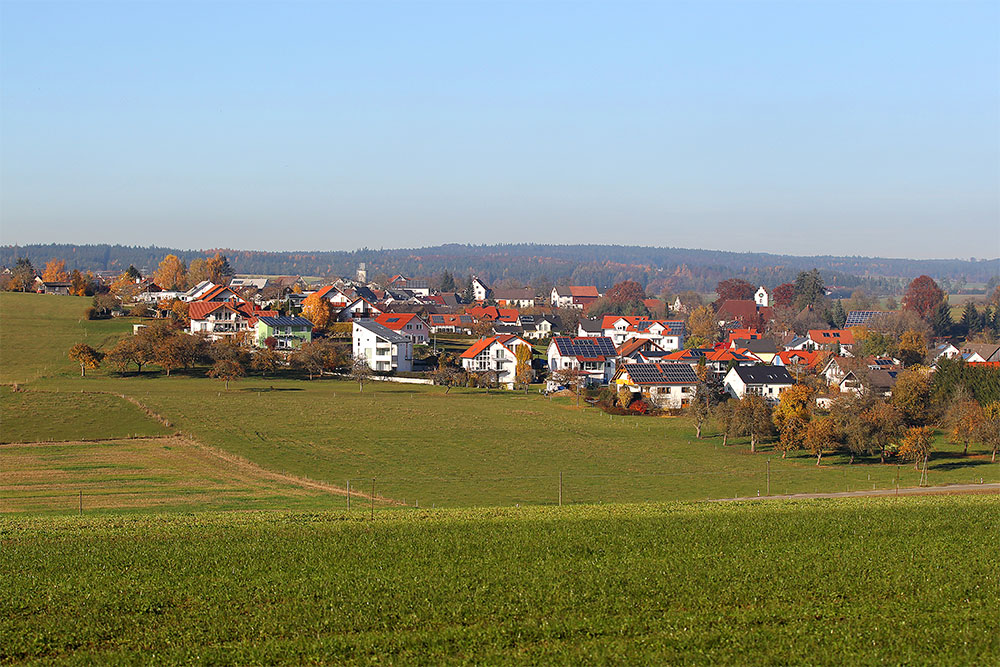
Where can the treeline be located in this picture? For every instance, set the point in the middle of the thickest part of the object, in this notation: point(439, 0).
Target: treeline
point(657, 269)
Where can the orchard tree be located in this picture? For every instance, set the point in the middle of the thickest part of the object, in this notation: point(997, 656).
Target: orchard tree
point(965, 419)
point(228, 370)
point(923, 296)
point(23, 275)
point(912, 347)
point(884, 425)
point(523, 373)
point(912, 395)
point(725, 416)
point(86, 356)
point(916, 445)
point(820, 435)
point(753, 418)
point(989, 428)
point(265, 360)
point(791, 417)
point(700, 407)
point(360, 372)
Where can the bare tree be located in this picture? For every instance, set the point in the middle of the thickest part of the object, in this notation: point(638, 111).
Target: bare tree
point(360, 372)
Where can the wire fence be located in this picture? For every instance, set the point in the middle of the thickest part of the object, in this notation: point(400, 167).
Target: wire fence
point(569, 487)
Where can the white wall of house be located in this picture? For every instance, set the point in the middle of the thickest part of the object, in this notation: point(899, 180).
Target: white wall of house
point(381, 354)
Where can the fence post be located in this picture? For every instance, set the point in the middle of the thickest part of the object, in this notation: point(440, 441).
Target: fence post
point(897, 479)
point(348, 494)
point(769, 476)
point(373, 498)
point(560, 488)
point(81, 502)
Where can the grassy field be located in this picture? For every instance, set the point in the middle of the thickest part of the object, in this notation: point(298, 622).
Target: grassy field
point(913, 581)
point(37, 330)
point(30, 416)
point(142, 474)
point(465, 448)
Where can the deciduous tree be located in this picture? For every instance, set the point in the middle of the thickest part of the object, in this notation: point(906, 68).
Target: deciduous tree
point(265, 360)
point(86, 356)
point(912, 395)
point(361, 372)
point(884, 426)
point(703, 324)
point(171, 274)
point(228, 370)
point(626, 291)
point(923, 296)
point(965, 419)
point(753, 417)
point(791, 417)
point(725, 416)
point(912, 347)
point(318, 310)
point(735, 289)
point(783, 296)
point(916, 445)
point(55, 271)
point(820, 435)
point(989, 429)
point(523, 373)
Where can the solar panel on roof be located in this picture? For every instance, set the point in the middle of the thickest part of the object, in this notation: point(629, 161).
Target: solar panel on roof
point(585, 347)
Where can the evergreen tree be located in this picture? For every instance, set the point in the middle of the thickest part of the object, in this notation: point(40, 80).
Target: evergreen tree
point(809, 289)
point(839, 316)
point(133, 273)
point(970, 319)
point(941, 320)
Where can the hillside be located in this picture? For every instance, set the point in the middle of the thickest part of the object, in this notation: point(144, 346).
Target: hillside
point(601, 265)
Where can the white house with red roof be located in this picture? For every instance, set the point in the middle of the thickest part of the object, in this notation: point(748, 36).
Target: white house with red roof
point(408, 324)
point(594, 356)
point(668, 334)
point(573, 296)
point(831, 339)
point(497, 354)
point(224, 319)
point(335, 296)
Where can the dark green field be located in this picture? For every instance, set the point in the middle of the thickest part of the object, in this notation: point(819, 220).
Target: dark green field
point(900, 581)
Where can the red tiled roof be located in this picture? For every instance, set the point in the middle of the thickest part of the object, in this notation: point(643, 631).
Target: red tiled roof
point(831, 336)
point(395, 321)
point(803, 357)
point(478, 347)
point(742, 309)
point(586, 291)
point(199, 310)
point(609, 320)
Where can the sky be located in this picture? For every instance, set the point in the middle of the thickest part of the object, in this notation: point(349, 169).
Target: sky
point(845, 128)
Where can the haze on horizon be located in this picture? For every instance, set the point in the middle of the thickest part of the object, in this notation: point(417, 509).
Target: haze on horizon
point(793, 128)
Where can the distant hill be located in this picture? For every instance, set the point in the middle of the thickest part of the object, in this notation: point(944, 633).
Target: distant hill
point(658, 268)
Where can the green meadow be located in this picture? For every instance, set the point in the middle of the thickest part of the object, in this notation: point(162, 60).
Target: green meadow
point(864, 581)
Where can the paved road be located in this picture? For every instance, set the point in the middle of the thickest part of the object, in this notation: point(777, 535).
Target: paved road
point(910, 491)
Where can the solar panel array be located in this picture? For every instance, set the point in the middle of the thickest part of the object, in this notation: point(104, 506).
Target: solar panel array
point(662, 373)
point(589, 348)
point(861, 317)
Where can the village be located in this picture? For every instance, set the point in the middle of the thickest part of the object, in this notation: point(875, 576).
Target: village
point(786, 354)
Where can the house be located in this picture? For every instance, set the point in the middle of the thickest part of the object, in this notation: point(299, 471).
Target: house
point(766, 381)
point(943, 350)
point(761, 348)
point(980, 352)
point(55, 287)
point(761, 298)
point(256, 283)
point(289, 332)
point(831, 339)
point(358, 309)
point(631, 349)
point(595, 357)
point(224, 319)
point(519, 297)
point(743, 334)
point(497, 354)
point(417, 286)
point(480, 290)
point(590, 327)
point(407, 324)
point(447, 323)
point(537, 327)
point(667, 385)
point(880, 382)
point(574, 296)
point(668, 334)
point(335, 296)
point(198, 290)
point(721, 359)
point(799, 358)
point(220, 294)
point(383, 349)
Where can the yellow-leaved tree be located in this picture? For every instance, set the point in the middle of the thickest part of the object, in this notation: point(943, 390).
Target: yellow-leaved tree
point(171, 274)
point(55, 271)
point(318, 310)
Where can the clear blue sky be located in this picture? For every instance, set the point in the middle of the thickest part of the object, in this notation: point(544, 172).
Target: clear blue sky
point(799, 127)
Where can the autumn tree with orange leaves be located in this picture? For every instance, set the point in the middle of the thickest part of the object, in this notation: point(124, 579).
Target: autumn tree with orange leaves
point(55, 271)
point(923, 296)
